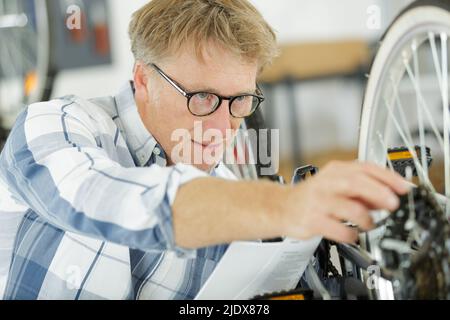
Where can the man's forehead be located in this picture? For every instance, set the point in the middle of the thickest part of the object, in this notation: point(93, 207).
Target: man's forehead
point(216, 68)
point(209, 52)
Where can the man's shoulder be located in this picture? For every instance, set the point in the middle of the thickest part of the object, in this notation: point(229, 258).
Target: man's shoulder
point(73, 103)
point(96, 111)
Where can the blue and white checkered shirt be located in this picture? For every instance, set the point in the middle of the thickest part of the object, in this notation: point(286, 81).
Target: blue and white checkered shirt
point(85, 207)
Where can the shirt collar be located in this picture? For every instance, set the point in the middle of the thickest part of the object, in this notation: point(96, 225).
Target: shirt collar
point(143, 146)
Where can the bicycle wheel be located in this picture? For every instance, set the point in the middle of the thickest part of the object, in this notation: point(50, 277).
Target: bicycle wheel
point(24, 55)
point(406, 113)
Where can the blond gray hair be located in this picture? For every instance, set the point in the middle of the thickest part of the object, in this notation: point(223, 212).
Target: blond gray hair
point(160, 28)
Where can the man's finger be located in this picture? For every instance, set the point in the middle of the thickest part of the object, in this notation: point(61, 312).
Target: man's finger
point(337, 231)
point(352, 211)
point(390, 178)
point(368, 189)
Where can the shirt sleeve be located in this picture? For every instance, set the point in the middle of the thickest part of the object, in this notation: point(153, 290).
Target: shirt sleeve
point(54, 163)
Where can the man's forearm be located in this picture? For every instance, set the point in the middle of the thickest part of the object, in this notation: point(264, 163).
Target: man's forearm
point(210, 211)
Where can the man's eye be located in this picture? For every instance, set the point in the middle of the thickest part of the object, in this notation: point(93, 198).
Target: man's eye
point(244, 99)
point(203, 95)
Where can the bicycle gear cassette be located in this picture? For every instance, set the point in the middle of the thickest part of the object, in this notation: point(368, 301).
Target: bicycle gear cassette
point(416, 247)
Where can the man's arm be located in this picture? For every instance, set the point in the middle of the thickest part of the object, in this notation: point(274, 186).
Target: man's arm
point(210, 211)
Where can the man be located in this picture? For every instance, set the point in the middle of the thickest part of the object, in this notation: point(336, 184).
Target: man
point(104, 209)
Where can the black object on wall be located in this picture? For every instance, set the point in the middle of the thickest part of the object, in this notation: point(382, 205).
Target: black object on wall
point(80, 33)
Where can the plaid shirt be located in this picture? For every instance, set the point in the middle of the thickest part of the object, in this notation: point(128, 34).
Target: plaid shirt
point(85, 207)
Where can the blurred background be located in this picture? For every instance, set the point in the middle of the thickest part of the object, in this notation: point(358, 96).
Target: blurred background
point(314, 90)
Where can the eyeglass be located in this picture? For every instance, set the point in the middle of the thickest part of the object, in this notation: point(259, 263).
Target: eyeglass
point(202, 104)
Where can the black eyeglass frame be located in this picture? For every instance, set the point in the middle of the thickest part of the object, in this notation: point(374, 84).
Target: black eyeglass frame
point(188, 95)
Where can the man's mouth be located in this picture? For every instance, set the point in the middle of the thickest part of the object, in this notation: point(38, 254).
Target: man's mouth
point(208, 145)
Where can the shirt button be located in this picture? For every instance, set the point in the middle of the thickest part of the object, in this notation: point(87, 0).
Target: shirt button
point(157, 151)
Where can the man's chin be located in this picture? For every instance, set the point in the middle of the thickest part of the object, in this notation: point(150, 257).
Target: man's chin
point(205, 167)
point(202, 157)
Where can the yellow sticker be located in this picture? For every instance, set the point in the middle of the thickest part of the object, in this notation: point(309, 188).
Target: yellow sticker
point(289, 297)
point(400, 155)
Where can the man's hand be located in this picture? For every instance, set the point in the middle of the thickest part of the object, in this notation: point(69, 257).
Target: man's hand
point(342, 191)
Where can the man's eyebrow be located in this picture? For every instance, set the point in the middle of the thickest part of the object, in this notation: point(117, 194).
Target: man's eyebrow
point(213, 90)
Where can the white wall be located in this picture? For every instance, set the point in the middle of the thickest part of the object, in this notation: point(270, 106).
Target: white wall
point(318, 20)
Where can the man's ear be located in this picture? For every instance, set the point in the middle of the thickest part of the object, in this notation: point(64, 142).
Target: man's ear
point(140, 83)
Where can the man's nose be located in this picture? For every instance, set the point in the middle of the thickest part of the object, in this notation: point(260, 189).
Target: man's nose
point(220, 119)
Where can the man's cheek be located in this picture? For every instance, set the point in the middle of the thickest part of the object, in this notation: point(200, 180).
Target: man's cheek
point(181, 109)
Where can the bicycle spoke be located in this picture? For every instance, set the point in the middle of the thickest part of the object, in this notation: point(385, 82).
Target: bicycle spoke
point(423, 103)
point(400, 109)
point(436, 63)
point(419, 111)
point(445, 105)
point(411, 205)
point(384, 146)
point(411, 150)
